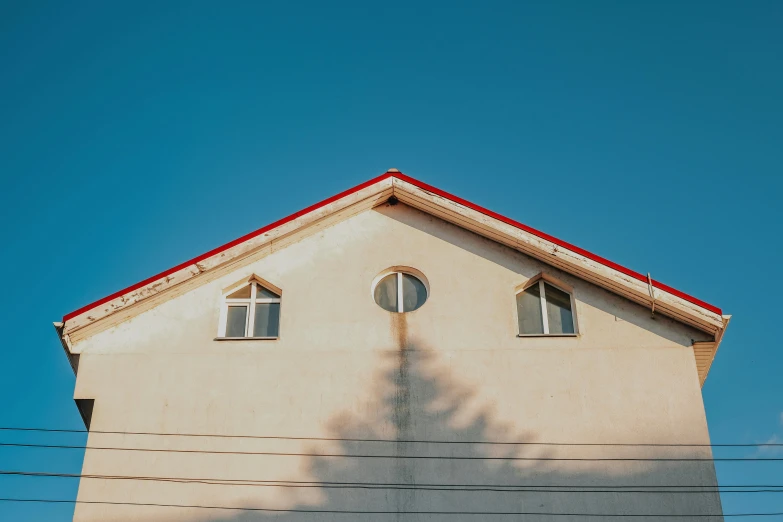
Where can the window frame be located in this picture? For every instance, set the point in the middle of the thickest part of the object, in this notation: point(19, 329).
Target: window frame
point(399, 271)
point(249, 303)
point(542, 280)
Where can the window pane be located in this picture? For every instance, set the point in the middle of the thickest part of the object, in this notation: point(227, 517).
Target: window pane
point(529, 311)
point(386, 293)
point(236, 319)
point(242, 293)
point(414, 293)
point(267, 320)
point(263, 293)
point(558, 310)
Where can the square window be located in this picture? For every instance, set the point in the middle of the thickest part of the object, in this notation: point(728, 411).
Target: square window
point(267, 320)
point(236, 321)
point(529, 311)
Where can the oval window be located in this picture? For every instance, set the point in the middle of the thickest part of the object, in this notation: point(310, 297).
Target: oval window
point(400, 292)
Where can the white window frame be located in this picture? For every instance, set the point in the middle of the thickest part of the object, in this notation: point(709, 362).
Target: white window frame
point(399, 272)
point(541, 281)
point(249, 304)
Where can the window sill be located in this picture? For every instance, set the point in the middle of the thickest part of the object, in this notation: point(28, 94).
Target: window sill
point(246, 338)
point(549, 335)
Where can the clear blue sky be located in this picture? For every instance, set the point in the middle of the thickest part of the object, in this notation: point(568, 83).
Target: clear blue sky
point(136, 135)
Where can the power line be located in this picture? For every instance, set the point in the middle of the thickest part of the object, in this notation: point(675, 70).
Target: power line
point(507, 488)
point(370, 456)
point(368, 512)
point(411, 441)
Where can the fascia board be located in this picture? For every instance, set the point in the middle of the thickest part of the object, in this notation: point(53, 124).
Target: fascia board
point(568, 259)
point(148, 293)
point(264, 240)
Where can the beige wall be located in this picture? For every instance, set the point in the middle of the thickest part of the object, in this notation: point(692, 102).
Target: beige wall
point(344, 368)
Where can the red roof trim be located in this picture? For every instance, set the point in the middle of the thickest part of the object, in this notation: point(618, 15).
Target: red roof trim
point(423, 186)
point(543, 235)
point(219, 249)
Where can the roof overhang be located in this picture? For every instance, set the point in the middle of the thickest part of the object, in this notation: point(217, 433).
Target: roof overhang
point(632, 285)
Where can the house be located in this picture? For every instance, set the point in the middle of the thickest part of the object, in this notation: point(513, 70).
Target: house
point(394, 349)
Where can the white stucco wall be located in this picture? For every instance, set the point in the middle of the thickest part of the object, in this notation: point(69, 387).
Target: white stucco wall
point(344, 368)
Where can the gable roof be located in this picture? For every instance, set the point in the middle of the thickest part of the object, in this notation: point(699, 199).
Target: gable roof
point(637, 287)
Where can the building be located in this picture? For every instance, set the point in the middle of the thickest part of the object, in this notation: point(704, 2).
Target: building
point(288, 347)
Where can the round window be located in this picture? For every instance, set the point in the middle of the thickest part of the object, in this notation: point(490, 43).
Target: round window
point(400, 292)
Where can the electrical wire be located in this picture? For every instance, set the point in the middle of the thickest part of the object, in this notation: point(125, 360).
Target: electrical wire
point(371, 456)
point(506, 488)
point(412, 441)
point(370, 512)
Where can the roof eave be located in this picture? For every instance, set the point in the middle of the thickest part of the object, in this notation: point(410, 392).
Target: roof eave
point(148, 293)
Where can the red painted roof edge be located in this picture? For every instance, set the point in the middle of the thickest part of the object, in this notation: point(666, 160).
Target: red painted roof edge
point(219, 249)
point(423, 186)
point(574, 248)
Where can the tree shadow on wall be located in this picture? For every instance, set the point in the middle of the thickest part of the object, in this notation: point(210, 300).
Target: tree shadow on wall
point(420, 402)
